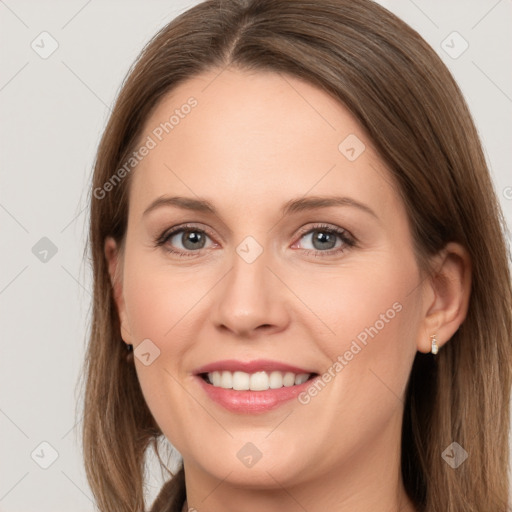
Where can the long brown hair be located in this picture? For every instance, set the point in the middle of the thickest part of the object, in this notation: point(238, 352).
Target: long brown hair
point(404, 96)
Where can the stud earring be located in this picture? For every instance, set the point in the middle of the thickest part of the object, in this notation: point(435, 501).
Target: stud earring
point(435, 348)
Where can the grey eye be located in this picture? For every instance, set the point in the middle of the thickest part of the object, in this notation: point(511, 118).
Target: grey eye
point(191, 239)
point(322, 239)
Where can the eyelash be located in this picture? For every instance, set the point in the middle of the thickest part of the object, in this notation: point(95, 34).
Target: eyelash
point(348, 241)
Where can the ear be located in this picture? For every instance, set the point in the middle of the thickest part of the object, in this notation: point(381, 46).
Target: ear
point(446, 296)
point(114, 260)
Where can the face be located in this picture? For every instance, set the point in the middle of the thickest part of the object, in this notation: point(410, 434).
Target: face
point(287, 268)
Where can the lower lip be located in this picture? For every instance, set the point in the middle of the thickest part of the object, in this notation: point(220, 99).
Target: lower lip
point(252, 402)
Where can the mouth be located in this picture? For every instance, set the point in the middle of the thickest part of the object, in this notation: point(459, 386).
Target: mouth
point(252, 387)
point(257, 381)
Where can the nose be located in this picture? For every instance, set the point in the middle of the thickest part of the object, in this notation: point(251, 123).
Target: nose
point(250, 300)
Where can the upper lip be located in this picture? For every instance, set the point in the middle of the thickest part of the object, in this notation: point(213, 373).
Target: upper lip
point(233, 365)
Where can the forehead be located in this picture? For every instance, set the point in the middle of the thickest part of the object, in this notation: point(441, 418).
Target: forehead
point(252, 137)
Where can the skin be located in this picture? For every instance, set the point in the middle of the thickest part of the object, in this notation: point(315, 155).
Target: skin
point(254, 142)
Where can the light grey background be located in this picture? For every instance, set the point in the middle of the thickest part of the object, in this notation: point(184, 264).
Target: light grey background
point(52, 112)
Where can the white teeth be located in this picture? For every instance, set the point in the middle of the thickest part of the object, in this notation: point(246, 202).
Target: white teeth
point(276, 380)
point(241, 381)
point(226, 380)
point(288, 379)
point(301, 378)
point(216, 378)
point(258, 381)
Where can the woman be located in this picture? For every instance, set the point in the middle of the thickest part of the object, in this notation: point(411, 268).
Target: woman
point(300, 275)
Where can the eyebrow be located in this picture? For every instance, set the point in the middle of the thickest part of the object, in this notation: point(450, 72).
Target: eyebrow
point(292, 206)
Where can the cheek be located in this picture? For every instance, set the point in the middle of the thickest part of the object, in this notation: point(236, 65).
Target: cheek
point(158, 305)
point(374, 314)
point(153, 305)
point(159, 300)
point(365, 302)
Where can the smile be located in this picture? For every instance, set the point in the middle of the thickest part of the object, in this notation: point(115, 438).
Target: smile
point(252, 387)
point(258, 381)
